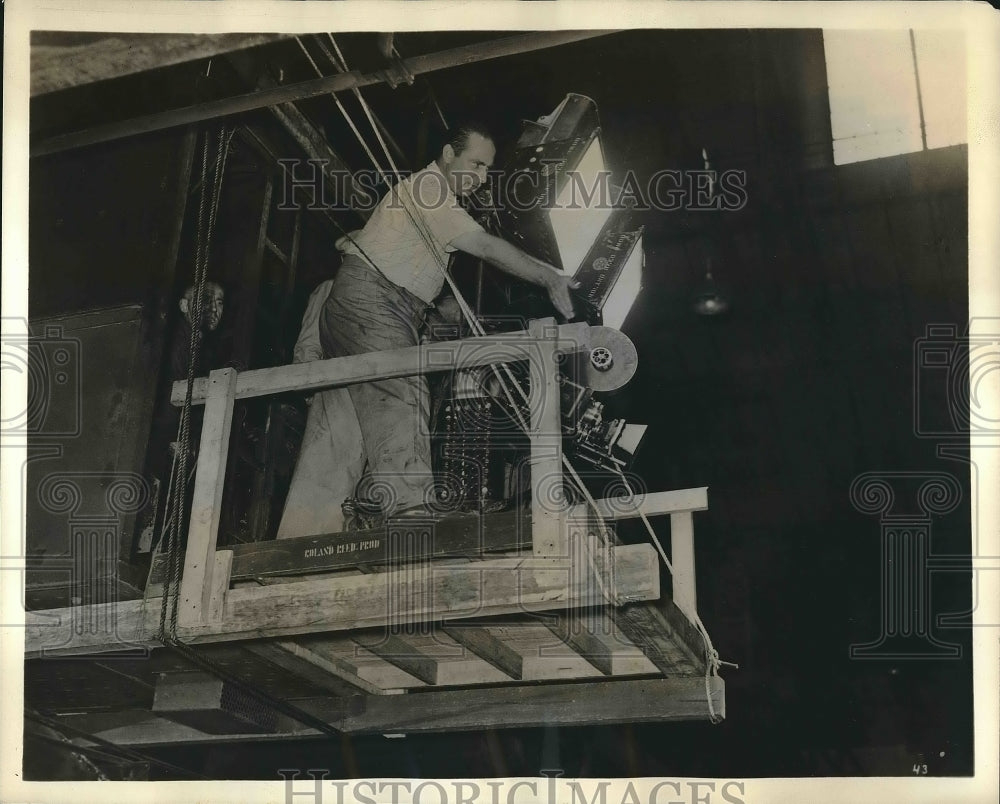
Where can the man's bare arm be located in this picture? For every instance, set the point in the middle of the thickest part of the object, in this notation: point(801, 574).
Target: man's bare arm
point(510, 259)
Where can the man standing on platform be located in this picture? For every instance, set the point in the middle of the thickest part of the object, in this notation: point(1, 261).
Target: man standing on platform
point(391, 273)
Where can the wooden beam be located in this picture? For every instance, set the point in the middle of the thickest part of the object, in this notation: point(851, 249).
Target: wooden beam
point(488, 646)
point(310, 139)
point(595, 703)
point(412, 360)
point(539, 651)
point(199, 559)
point(665, 635)
point(466, 535)
point(417, 65)
point(352, 663)
point(595, 637)
point(487, 588)
point(682, 560)
point(543, 656)
point(583, 703)
point(221, 574)
point(315, 146)
point(56, 65)
point(493, 587)
point(548, 503)
point(284, 655)
point(433, 657)
point(654, 504)
point(462, 535)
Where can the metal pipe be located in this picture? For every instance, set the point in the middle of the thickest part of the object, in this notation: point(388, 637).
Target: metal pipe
point(430, 62)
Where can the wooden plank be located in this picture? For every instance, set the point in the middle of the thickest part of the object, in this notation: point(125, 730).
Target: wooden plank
point(665, 636)
point(221, 573)
point(339, 371)
point(433, 657)
point(487, 588)
point(548, 504)
point(318, 150)
point(56, 65)
point(488, 646)
point(481, 589)
point(466, 54)
point(682, 561)
point(595, 637)
point(199, 558)
point(353, 663)
point(543, 656)
point(606, 702)
point(625, 701)
point(463, 535)
point(141, 727)
point(283, 655)
point(654, 504)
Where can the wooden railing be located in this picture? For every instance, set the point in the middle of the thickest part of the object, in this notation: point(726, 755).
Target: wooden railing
point(549, 578)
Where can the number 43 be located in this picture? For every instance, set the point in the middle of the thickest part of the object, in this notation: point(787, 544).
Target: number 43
point(920, 770)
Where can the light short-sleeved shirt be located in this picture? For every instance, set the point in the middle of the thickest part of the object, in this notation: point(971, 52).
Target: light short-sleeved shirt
point(411, 257)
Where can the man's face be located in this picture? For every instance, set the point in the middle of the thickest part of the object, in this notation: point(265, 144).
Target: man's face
point(467, 169)
point(214, 298)
point(211, 308)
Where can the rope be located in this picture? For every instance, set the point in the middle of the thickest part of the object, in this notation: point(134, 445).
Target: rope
point(614, 598)
point(177, 495)
point(712, 660)
point(178, 488)
point(422, 230)
point(341, 64)
point(347, 117)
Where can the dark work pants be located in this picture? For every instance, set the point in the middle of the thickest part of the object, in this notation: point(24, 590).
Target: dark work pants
point(365, 312)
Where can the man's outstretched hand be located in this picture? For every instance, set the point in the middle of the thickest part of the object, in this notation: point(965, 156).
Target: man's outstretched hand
point(559, 286)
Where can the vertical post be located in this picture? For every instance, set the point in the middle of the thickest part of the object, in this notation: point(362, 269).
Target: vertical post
point(222, 572)
point(682, 560)
point(548, 531)
point(209, 481)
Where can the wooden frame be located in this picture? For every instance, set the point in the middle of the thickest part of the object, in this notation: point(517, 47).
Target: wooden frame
point(601, 702)
point(552, 578)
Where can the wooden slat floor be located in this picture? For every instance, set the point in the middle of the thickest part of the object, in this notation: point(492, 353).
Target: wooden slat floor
point(553, 658)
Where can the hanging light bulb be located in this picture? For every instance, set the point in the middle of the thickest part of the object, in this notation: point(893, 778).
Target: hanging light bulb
point(710, 299)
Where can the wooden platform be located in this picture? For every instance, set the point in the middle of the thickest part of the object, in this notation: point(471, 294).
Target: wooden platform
point(571, 668)
point(532, 617)
point(585, 664)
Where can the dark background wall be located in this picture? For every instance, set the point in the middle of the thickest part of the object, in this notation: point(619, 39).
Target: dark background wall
point(105, 224)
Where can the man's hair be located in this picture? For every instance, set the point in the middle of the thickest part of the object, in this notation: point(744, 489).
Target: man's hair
point(209, 284)
point(458, 135)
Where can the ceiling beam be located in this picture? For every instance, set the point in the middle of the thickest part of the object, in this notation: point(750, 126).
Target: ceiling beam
point(57, 65)
point(309, 137)
point(416, 65)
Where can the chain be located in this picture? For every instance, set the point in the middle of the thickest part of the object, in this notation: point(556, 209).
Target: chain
point(207, 214)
